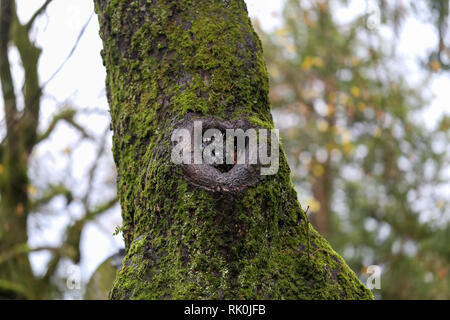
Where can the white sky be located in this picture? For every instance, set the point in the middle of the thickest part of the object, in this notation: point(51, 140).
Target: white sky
point(82, 80)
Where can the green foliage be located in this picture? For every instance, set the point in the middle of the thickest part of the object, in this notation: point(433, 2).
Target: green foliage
point(358, 147)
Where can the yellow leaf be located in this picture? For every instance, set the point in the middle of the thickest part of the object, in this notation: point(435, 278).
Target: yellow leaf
point(322, 125)
point(274, 72)
point(346, 137)
point(355, 91)
point(344, 99)
point(318, 170)
point(332, 96)
point(308, 21)
point(322, 6)
point(355, 60)
point(348, 148)
point(291, 48)
point(31, 189)
point(330, 147)
point(380, 114)
point(361, 106)
point(377, 133)
point(442, 273)
point(307, 63)
point(337, 129)
point(330, 109)
point(435, 65)
point(20, 209)
point(282, 32)
point(318, 62)
point(313, 204)
point(1, 169)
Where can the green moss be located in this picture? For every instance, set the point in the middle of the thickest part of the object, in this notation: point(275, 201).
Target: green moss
point(187, 101)
point(165, 60)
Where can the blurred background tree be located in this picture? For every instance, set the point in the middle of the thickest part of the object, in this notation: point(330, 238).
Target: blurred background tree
point(351, 122)
point(28, 189)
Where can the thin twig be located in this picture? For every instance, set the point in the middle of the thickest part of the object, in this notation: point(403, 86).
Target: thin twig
point(307, 236)
point(10, 116)
point(93, 169)
point(80, 35)
point(24, 249)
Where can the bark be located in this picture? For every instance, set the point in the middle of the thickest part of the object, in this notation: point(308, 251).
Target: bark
point(168, 63)
point(16, 277)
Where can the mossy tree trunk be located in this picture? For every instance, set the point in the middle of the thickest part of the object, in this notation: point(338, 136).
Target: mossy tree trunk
point(169, 62)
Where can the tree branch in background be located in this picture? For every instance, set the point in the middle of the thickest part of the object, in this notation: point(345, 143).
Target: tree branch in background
point(66, 115)
point(9, 97)
point(73, 231)
point(80, 35)
point(37, 14)
point(21, 136)
point(73, 237)
point(33, 90)
point(50, 194)
point(12, 290)
point(29, 54)
point(24, 248)
point(93, 169)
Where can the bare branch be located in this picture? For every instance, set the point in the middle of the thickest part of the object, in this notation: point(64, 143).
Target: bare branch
point(93, 169)
point(34, 93)
point(23, 249)
point(51, 193)
point(64, 115)
point(29, 55)
point(37, 14)
point(102, 208)
point(73, 237)
point(12, 290)
point(83, 29)
point(9, 97)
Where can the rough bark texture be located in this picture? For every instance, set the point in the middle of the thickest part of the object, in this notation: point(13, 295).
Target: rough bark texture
point(168, 61)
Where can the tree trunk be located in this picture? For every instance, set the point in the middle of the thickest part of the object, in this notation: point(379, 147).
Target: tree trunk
point(187, 237)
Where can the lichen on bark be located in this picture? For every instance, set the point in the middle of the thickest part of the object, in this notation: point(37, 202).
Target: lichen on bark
point(171, 60)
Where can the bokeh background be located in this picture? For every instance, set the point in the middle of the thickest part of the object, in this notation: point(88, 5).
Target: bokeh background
point(360, 92)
